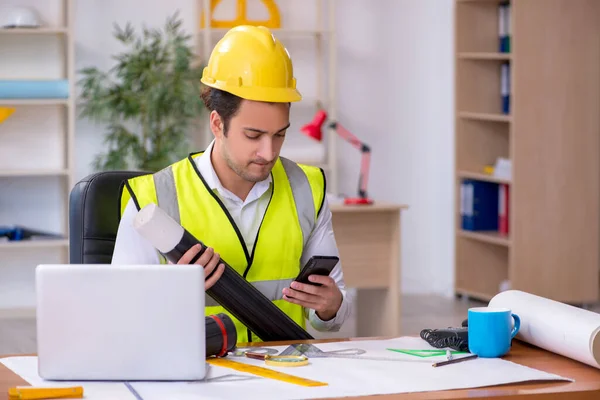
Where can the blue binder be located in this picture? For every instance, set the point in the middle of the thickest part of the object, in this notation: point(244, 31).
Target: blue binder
point(479, 205)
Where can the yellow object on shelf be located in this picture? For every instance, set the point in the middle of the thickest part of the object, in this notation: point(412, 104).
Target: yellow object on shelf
point(488, 170)
point(5, 112)
point(241, 18)
point(32, 393)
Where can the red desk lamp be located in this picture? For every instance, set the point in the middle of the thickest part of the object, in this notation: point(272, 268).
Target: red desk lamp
point(313, 130)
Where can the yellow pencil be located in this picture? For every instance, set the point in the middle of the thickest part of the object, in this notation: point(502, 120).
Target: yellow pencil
point(33, 393)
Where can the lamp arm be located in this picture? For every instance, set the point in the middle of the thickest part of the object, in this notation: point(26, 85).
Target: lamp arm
point(349, 137)
point(365, 160)
point(364, 174)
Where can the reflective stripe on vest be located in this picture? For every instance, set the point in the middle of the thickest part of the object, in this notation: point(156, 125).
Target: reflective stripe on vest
point(166, 192)
point(271, 289)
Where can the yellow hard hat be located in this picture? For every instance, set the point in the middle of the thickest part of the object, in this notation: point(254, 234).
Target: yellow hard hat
point(251, 63)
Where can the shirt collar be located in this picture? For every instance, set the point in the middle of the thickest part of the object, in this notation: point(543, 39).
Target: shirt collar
point(207, 171)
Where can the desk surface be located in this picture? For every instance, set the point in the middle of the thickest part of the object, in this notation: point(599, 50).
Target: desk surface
point(586, 385)
point(376, 206)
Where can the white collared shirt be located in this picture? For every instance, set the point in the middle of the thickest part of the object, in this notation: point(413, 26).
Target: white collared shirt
point(132, 248)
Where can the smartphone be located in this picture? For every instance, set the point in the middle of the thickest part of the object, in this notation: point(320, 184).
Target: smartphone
point(317, 265)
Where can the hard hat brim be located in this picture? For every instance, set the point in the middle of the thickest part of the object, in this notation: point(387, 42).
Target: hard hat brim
point(271, 95)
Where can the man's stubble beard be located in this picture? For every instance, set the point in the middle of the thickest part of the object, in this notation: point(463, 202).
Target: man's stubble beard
point(241, 172)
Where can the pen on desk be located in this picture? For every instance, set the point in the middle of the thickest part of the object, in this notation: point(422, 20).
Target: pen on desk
point(454, 360)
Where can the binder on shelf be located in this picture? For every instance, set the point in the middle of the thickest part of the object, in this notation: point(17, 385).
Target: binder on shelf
point(503, 209)
point(479, 205)
point(464, 197)
point(501, 28)
point(504, 28)
point(34, 89)
point(505, 87)
point(18, 233)
point(508, 39)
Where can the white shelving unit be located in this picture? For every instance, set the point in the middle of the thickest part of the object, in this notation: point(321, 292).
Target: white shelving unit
point(36, 148)
point(315, 72)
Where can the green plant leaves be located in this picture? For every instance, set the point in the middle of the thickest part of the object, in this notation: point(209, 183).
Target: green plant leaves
point(148, 99)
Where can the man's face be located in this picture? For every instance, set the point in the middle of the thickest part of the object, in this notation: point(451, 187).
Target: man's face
point(254, 138)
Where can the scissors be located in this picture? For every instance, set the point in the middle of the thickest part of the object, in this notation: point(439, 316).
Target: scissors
point(241, 351)
point(313, 351)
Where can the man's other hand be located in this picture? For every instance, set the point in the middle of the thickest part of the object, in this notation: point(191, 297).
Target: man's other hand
point(325, 300)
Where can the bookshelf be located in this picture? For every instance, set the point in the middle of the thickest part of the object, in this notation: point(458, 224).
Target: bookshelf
point(550, 134)
point(36, 148)
point(308, 32)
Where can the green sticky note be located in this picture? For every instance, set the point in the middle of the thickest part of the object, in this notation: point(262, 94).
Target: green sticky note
point(425, 353)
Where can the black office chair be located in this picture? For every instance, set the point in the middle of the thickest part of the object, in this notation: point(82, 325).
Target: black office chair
point(94, 213)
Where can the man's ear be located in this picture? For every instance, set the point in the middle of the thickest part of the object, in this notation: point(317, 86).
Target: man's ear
point(216, 124)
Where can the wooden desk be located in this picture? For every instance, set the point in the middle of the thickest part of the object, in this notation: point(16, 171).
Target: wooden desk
point(585, 387)
point(368, 238)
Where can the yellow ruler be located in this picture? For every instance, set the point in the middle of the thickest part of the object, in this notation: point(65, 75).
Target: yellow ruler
point(264, 372)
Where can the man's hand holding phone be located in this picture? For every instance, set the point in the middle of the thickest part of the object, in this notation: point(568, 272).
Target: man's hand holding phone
point(315, 289)
point(325, 299)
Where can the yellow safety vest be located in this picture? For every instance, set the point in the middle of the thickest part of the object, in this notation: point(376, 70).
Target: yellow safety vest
point(296, 201)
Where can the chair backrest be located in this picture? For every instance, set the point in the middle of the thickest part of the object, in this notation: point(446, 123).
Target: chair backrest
point(94, 214)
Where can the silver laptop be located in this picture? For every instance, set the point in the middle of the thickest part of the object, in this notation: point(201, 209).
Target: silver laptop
point(120, 322)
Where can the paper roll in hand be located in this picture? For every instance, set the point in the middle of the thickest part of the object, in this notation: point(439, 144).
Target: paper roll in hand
point(232, 291)
point(554, 326)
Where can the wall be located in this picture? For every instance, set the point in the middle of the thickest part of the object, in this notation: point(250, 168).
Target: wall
point(394, 90)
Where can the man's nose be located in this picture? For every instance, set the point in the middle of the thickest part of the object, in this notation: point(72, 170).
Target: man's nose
point(266, 149)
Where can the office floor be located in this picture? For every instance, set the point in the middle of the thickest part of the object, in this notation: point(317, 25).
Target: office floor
point(17, 332)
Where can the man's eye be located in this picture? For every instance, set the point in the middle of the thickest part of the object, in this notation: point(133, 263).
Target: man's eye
point(252, 137)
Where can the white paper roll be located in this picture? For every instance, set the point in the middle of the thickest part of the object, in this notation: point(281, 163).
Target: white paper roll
point(158, 228)
point(554, 326)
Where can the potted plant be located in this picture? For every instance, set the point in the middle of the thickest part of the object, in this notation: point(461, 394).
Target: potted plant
point(148, 100)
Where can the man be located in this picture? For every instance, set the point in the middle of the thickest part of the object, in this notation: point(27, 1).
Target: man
point(265, 215)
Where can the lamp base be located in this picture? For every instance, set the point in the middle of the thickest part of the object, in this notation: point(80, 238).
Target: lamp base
point(357, 200)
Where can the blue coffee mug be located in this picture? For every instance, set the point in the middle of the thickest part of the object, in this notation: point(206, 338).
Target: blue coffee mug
point(490, 331)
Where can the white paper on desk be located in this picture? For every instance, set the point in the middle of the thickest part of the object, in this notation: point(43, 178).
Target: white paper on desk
point(554, 326)
point(350, 377)
point(27, 368)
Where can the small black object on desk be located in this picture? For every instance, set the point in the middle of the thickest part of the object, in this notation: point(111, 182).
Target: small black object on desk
point(454, 338)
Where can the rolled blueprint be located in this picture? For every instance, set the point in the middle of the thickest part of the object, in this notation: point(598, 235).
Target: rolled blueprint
point(221, 336)
point(232, 291)
point(554, 326)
